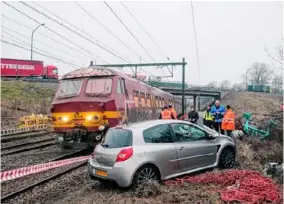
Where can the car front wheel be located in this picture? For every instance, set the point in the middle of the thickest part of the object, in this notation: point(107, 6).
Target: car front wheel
point(227, 158)
point(144, 174)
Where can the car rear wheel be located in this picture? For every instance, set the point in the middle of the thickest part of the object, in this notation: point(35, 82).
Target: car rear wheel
point(227, 158)
point(144, 174)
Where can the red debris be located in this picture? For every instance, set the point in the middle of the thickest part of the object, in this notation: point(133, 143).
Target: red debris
point(241, 185)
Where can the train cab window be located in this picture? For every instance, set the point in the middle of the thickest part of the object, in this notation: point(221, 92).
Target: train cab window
point(120, 86)
point(69, 88)
point(163, 102)
point(99, 86)
point(160, 102)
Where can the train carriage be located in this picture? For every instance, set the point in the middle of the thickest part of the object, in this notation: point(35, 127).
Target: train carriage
point(89, 100)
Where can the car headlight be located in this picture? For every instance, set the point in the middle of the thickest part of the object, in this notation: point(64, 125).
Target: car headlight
point(102, 127)
point(89, 117)
point(65, 118)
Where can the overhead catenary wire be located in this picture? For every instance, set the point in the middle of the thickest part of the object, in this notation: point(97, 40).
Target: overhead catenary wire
point(107, 29)
point(57, 41)
point(129, 31)
point(47, 45)
point(196, 47)
point(14, 38)
point(72, 25)
point(55, 58)
point(142, 27)
point(79, 34)
point(70, 41)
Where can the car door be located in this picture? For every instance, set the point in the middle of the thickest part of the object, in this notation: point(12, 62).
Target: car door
point(194, 148)
point(160, 149)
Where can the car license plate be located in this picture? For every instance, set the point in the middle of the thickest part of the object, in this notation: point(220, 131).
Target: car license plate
point(101, 173)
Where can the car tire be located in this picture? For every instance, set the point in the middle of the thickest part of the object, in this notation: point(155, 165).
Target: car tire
point(227, 158)
point(144, 174)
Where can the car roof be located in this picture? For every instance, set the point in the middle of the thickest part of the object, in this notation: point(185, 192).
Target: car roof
point(151, 123)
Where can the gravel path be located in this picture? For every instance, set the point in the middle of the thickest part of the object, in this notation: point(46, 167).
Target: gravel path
point(30, 157)
point(54, 190)
point(26, 140)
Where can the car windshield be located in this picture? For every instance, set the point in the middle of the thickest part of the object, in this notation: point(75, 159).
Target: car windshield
point(69, 88)
point(99, 86)
point(209, 130)
point(117, 138)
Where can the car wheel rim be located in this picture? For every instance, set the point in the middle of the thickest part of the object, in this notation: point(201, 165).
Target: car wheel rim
point(229, 159)
point(146, 175)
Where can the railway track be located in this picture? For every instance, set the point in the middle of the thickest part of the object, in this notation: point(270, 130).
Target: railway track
point(50, 178)
point(18, 148)
point(20, 136)
point(13, 149)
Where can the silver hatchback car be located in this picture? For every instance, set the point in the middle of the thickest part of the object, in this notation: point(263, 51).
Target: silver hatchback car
point(158, 150)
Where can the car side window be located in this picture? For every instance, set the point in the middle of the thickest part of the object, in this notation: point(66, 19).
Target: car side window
point(187, 133)
point(158, 134)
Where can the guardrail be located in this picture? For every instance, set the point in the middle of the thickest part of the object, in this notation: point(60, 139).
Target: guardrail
point(23, 130)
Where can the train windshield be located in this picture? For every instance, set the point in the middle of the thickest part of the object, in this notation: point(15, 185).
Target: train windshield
point(69, 88)
point(99, 86)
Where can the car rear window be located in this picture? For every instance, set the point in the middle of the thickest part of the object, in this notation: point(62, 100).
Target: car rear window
point(117, 138)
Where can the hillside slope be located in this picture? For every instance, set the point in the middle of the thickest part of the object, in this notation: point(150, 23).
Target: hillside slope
point(24, 98)
point(261, 105)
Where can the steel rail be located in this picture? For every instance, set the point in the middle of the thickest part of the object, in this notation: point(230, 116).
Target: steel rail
point(16, 193)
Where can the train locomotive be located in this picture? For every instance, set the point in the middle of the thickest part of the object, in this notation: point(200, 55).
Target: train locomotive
point(91, 100)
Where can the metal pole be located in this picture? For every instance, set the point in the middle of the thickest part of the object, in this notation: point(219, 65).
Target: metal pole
point(135, 74)
point(32, 39)
point(183, 85)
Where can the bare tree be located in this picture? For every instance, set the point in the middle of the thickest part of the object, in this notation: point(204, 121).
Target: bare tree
point(212, 84)
point(277, 59)
point(259, 74)
point(239, 86)
point(225, 84)
point(277, 82)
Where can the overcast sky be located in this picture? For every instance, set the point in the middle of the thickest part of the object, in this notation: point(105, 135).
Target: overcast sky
point(230, 35)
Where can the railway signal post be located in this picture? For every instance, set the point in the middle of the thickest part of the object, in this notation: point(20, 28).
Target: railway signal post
point(183, 63)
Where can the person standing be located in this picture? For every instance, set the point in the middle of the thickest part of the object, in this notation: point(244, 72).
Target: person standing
point(228, 123)
point(218, 112)
point(166, 114)
point(173, 112)
point(193, 115)
point(208, 118)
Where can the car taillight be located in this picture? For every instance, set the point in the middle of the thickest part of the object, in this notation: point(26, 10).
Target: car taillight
point(124, 154)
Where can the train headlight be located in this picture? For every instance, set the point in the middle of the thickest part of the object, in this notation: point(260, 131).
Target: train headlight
point(65, 118)
point(89, 117)
point(97, 118)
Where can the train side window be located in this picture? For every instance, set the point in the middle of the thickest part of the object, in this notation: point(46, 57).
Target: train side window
point(153, 101)
point(142, 99)
point(148, 100)
point(157, 102)
point(136, 99)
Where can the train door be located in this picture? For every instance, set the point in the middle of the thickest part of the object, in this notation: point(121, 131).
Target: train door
point(121, 99)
